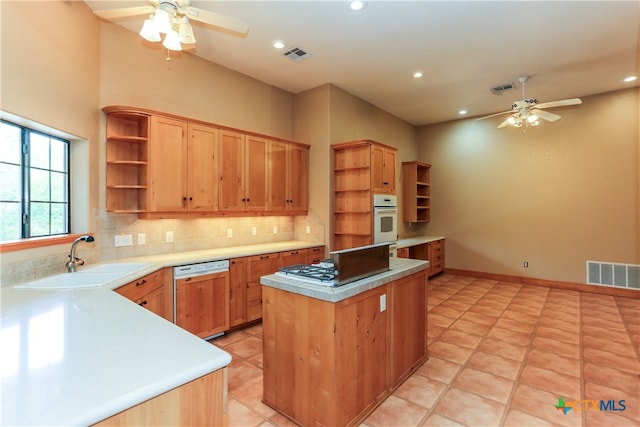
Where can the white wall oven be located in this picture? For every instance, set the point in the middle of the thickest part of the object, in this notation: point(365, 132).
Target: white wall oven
point(385, 218)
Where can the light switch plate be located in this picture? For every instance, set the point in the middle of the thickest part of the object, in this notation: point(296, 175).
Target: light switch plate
point(142, 239)
point(169, 237)
point(229, 233)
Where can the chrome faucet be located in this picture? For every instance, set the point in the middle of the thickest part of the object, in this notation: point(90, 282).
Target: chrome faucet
point(74, 262)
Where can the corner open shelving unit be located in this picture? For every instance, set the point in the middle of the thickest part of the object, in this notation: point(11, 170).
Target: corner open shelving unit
point(416, 197)
point(352, 210)
point(127, 159)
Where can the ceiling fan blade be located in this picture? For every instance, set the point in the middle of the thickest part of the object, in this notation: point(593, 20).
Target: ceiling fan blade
point(124, 12)
point(504, 123)
point(545, 115)
point(225, 23)
point(562, 103)
point(496, 114)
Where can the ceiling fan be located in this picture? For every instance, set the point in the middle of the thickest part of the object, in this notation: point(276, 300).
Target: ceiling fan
point(171, 18)
point(527, 111)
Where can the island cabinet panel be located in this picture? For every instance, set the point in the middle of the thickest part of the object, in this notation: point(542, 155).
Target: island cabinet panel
point(201, 402)
point(408, 325)
point(331, 364)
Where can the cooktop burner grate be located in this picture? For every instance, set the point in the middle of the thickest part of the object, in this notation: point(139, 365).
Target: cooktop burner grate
point(322, 274)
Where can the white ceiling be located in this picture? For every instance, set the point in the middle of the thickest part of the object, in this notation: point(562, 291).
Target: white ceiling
point(568, 48)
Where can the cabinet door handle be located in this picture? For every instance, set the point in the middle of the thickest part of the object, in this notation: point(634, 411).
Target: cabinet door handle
point(143, 303)
point(295, 252)
point(142, 282)
point(264, 257)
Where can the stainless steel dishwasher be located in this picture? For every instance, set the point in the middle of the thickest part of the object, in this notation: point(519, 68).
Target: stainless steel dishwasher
point(201, 298)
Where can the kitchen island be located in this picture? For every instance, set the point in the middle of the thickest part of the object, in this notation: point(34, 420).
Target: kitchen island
point(331, 355)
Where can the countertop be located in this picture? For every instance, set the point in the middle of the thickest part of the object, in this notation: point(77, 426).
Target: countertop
point(414, 241)
point(78, 356)
point(398, 268)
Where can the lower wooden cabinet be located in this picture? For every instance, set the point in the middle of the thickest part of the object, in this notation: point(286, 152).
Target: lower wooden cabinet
point(258, 266)
point(237, 291)
point(245, 290)
point(432, 251)
point(403, 253)
point(436, 257)
point(202, 304)
point(331, 364)
point(315, 255)
point(201, 402)
point(153, 292)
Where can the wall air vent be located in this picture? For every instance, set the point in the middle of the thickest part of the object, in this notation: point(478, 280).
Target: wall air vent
point(497, 90)
point(296, 54)
point(613, 274)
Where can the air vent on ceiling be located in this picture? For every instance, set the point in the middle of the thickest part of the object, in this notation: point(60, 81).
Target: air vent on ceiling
point(296, 54)
point(497, 90)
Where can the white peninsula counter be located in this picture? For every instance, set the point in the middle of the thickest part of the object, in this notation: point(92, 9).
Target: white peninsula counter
point(76, 357)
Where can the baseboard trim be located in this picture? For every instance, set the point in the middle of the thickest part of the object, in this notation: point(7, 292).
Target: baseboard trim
point(605, 290)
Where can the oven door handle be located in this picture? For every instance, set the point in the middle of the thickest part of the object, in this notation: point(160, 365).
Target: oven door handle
point(385, 211)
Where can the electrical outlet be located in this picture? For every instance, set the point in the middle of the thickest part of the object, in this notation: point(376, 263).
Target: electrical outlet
point(127, 240)
point(275, 229)
point(229, 233)
point(526, 264)
point(383, 302)
point(308, 229)
point(254, 231)
point(142, 239)
point(169, 237)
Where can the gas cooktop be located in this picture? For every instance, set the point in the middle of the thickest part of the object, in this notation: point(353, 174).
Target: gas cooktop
point(323, 273)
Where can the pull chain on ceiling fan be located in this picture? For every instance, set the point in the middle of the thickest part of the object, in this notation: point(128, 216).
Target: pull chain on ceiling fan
point(528, 111)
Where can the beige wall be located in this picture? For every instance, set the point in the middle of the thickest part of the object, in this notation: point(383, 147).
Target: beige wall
point(555, 196)
point(68, 64)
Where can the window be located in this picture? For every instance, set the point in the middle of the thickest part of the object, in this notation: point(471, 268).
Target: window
point(34, 189)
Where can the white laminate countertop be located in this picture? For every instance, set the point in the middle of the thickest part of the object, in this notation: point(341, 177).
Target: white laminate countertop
point(414, 241)
point(77, 356)
point(398, 268)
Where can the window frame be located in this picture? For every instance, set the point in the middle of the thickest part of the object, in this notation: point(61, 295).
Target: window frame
point(28, 167)
point(79, 193)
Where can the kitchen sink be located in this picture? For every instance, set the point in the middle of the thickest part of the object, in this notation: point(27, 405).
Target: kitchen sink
point(89, 277)
point(116, 267)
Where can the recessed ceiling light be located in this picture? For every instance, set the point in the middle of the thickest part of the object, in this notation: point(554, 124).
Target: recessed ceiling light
point(462, 112)
point(278, 44)
point(357, 4)
point(417, 74)
point(631, 79)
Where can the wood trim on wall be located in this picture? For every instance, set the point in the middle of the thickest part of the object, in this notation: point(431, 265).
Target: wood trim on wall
point(582, 287)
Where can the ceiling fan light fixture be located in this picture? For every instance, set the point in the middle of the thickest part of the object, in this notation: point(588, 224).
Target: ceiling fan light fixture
point(172, 41)
point(162, 21)
point(149, 32)
point(532, 118)
point(185, 32)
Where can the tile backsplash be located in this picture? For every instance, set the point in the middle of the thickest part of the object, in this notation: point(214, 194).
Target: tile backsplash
point(188, 235)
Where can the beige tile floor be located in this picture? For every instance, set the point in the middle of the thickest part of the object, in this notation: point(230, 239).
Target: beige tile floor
point(500, 354)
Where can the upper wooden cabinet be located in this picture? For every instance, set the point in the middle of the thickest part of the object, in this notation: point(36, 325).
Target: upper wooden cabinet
point(383, 169)
point(162, 166)
point(288, 177)
point(167, 165)
point(243, 172)
point(360, 169)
